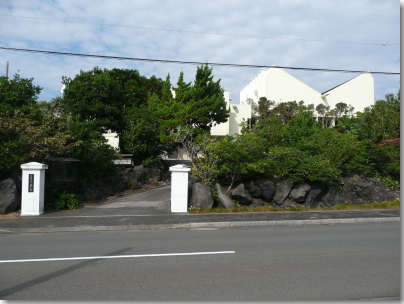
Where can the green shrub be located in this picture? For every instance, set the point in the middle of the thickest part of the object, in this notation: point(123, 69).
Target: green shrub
point(65, 200)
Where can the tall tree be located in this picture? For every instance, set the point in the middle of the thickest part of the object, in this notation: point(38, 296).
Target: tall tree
point(195, 108)
point(264, 108)
point(102, 95)
point(286, 110)
point(141, 136)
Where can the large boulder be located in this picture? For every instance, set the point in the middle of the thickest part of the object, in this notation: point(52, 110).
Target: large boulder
point(315, 195)
point(288, 203)
point(267, 188)
point(96, 190)
point(299, 192)
point(126, 173)
point(282, 190)
point(201, 196)
point(143, 174)
point(331, 197)
point(10, 196)
point(241, 195)
point(223, 200)
point(153, 172)
point(363, 190)
point(126, 179)
point(253, 189)
point(140, 174)
point(258, 202)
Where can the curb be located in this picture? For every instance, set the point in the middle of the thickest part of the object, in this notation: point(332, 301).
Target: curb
point(201, 225)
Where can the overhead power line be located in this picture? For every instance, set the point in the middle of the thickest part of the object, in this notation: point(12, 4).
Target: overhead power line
point(191, 62)
point(200, 32)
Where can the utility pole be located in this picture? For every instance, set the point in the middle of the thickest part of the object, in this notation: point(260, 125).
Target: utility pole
point(7, 69)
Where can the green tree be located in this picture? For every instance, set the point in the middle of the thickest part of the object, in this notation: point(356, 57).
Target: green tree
point(286, 110)
point(17, 93)
point(141, 135)
point(231, 158)
point(301, 126)
point(192, 112)
point(341, 108)
point(381, 120)
point(102, 95)
point(264, 108)
point(240, 156)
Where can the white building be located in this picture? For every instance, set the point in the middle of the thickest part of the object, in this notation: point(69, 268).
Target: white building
point(238, 114)
point(277, 85)
point(112, 139)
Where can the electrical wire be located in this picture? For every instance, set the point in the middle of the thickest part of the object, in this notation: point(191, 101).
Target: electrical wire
point(190, 62)
point(197, 32)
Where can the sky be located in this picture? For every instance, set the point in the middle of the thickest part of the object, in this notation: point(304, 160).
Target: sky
point(319, 34)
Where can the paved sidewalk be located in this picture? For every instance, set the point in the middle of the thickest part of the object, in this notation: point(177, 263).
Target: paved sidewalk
point(150, 210)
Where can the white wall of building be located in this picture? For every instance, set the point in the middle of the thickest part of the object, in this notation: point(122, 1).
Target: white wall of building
point(277, 85)
point(238, 114)
point(357, 92)
point(112, 139)
point(222, 129)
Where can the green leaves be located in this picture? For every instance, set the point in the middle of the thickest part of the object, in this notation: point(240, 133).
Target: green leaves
point(381, 121)
point(199, 105)
point(17, 93)
point(299, 165)
point(191, 113)
point(141, 135)
point(102, 95)
point(232, 158)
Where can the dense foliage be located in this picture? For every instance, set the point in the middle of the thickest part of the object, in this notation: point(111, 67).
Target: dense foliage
point(37, 131)
point(288, 141)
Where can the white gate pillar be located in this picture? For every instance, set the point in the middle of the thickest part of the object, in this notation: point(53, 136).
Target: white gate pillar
point(33, 188)
point(179, 188)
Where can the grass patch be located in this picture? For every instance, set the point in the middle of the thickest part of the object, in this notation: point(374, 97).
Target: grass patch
point(10, 215)
point(394, 204)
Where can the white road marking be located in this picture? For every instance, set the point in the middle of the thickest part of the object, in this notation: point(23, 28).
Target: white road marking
point(116, 257)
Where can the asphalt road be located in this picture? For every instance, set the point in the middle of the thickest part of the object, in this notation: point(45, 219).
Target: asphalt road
point(327, 262)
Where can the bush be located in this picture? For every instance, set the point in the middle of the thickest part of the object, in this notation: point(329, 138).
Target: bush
point(65, 200)
point(299, 165)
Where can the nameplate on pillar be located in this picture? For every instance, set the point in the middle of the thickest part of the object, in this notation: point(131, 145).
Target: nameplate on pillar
point(30, 182)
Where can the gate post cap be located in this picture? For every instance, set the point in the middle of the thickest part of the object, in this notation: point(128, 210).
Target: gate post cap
point(180, 167)
point(34, 166)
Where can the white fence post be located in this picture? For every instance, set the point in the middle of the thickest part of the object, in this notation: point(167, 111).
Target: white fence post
point(179, 188)
point(33, 188)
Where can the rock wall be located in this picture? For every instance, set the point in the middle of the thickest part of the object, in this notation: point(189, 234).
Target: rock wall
point(282, 194)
